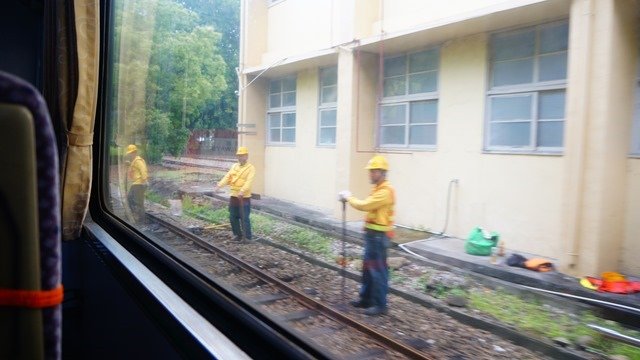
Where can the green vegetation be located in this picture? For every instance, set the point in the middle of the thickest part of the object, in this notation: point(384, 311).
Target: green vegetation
point(533, 318)
point(174, 72)
point(396, 277)
point(298, 236)
point(216, 216)
point(156, 198)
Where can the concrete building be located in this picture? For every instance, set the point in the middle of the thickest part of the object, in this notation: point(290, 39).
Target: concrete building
point(519, 116)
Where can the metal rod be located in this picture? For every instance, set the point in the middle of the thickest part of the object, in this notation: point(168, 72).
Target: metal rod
point(344, 253)
point(612, 334)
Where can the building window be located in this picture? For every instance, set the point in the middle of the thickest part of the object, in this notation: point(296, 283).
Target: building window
point(281, 116)
point(327, 110)
point(409, 107)
point(526, 97)
point(635, 137)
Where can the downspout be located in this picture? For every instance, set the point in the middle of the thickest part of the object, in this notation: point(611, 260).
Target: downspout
point(575, 235)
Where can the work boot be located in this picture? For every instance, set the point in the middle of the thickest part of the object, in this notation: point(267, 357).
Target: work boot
point(237, 238)
point(359, 304)
point(376, 310)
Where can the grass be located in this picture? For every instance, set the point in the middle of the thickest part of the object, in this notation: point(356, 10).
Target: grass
point(156, 198)
point(535, 319)
point(298, 236)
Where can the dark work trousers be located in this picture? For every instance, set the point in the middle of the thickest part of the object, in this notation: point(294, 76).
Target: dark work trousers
point(375, 274)
point(235, 216)
point(135, 197)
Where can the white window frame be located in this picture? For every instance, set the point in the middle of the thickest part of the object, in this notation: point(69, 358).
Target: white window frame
point(406, 100)
point(534, 88)
point(326, 106)
point(281, 111)
point(635, 133)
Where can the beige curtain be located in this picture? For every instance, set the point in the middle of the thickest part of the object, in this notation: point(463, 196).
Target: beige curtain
point(77, 149)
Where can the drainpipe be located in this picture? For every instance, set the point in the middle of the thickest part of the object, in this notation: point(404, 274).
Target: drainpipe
point(575, 235)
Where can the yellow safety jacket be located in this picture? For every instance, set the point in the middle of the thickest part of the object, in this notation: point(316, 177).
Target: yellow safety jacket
point(138, 172)
point(379, 207)
point(240, 178)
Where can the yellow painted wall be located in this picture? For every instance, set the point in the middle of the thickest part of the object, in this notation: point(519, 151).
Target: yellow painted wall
point(631, 244)
point(516, 195)
point(304, 172)
point(298, 27)
point(400, 15)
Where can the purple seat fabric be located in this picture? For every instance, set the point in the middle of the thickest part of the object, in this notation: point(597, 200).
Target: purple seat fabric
point(17, 91)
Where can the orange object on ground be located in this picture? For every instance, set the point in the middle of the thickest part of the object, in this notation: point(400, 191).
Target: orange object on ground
point(31, 298)
point(617, 287)
point(538, 264)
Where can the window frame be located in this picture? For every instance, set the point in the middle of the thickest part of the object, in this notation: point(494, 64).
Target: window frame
point(535, 87)
point(326, 106)
point(281, 111)
point(407, 99)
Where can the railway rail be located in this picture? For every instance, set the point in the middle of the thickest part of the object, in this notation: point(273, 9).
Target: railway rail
point(379, 344)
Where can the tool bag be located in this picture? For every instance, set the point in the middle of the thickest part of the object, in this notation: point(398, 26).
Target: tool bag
point(481, 241)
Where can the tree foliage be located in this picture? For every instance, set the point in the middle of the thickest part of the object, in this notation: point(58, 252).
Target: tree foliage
point(175, 69)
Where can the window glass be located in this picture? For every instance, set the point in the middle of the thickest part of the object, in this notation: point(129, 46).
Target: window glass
point(327, 108)
point(511, 107)
point(282, 99)
point(410, 98)
point(528, 81)
point(511, 134)
point(516, 45)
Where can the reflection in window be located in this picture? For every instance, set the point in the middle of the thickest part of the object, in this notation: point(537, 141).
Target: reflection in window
point(523, 115)
point(409, 109)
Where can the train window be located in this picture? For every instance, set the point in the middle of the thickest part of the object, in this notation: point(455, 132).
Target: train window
point(231, 124)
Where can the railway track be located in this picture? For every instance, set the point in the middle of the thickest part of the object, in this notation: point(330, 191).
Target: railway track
point(311, 318)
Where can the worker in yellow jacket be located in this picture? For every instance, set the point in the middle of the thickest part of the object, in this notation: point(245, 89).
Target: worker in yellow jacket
point(239, 178)
point(137, 178)
point(378, 228)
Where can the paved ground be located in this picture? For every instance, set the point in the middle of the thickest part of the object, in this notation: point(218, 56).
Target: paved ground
point(440, 249)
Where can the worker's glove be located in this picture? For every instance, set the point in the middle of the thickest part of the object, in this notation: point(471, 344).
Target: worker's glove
point(344, 195)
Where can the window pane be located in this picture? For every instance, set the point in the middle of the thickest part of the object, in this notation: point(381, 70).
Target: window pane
point(510, 134)
point(511, 108)
point(422, 135)
point(392, 135)
point(274, 86)
point(513, 45)
point(513, 72)
point(288, 135)
point(289, 99)
point(274, 100)
point(289, 120)
point(553, 67)
point(328, 136)
point(554, 38)
point(289, 84)
point(329, 76)
point(329, 94)
point(551, 105)
point(423, 61)
point(423, 82)
point(550, 133)
point(274, 120)
point(394, 86)
point(392, 114)
point(395, 66)
point(274, 135)
point(328, 118)
point(423, 112)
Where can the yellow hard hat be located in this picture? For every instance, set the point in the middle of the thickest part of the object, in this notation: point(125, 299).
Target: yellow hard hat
point(242, 151)
point(131, 148)
point(377, 162)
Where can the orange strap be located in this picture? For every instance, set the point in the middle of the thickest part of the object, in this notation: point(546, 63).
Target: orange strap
point(31, 298)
